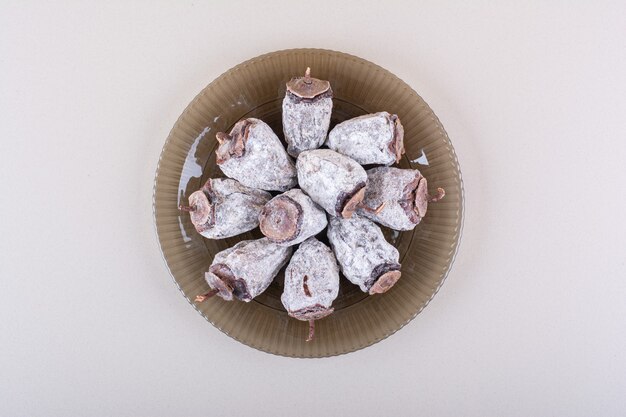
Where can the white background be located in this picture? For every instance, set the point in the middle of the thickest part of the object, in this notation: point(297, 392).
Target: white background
point(531, 320)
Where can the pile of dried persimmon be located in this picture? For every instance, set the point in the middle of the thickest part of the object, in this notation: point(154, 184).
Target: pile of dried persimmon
point(324, 189)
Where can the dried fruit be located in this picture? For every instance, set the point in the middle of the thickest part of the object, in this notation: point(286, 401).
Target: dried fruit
point(334, 181)
point(223, 208)
point(307, 106)
point(253, 155)
point(371, 139)
point(245, 270)
point(330, 179)
point(365, 257)
point(291, 218)
point(401, 194)
point(311, 283)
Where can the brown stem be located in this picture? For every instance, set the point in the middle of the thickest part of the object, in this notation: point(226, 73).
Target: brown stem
point(206, 295)
point(311, 330)
point(186, 208)
point(441, 193)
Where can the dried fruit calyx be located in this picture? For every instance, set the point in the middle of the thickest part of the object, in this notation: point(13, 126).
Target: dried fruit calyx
point(233, 144)
point(291, 218)
point(281, 219)
point(200, 210)
point(307, 87)
point(384, 277)
point(227, 285)
point(348, 205)
point(416, 199)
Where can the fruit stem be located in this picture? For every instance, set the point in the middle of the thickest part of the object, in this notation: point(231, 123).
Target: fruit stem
point(206, 295)
point(186, 208)
point(311, 330)
point(307, 76)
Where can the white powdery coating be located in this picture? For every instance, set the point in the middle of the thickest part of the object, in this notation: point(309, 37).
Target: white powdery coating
point(264, 164)
point(313, 217)
point(365, 139)
point(317, 262)
point(386, 185)
point(325, 174)
point(236, 208)
point(255, 261)
point(305, 124)
point(359, 246)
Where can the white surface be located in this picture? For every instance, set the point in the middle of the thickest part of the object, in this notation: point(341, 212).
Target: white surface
point(531, 320)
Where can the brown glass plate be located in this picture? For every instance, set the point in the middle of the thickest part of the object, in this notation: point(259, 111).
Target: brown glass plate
point(256, 88)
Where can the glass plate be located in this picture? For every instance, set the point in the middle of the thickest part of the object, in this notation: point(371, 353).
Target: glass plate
point(256, 88)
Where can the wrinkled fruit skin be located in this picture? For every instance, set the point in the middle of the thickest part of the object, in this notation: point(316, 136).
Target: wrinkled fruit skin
point(306, 121)
point(331, 180)
point(362, 251)
point(311, 281)
point(253, 155)
point(223, 207)
point(370, 139)
point(247, 268)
